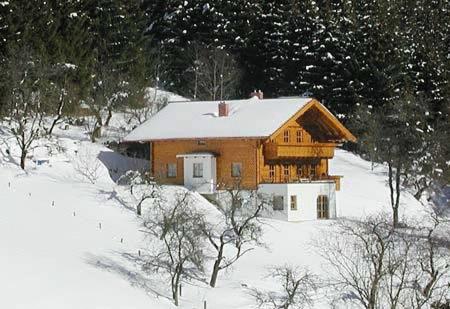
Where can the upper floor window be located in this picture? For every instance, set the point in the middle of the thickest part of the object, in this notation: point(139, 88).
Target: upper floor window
point(172, 170)
point(286, 136)
point(236, 169)
point(198, 170)
point(286, 172)
point(300, 173)
point(299, 136)
point(313, 170)
point(272, 172)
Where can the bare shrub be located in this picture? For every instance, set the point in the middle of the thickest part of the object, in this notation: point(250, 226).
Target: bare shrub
point(86, 164)
point(297, 287)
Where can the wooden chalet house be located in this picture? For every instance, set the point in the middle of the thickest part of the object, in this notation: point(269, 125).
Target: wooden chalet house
point(280, 146)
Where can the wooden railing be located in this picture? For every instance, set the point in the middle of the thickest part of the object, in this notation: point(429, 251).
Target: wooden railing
point(336, 179)
point(273, 151)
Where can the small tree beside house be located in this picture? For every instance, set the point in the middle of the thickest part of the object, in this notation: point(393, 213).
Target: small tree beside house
point(177, 248)
point(238, 228)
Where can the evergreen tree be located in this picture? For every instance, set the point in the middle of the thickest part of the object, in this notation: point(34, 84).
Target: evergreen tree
point(118, 56)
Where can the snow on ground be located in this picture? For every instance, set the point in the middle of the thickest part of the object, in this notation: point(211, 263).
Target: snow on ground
point(82, 252)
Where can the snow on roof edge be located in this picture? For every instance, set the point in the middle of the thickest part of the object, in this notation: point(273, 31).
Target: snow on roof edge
point(249, 118)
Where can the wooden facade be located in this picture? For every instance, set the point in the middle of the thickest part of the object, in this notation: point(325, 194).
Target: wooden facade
point(298, 151)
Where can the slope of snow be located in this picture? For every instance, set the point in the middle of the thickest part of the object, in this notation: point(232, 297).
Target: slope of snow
point(82, 252)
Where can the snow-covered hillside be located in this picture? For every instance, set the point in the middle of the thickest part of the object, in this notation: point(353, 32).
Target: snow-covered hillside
point(68, 242)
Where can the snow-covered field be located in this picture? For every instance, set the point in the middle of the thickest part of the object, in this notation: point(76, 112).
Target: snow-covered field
point(69, 243)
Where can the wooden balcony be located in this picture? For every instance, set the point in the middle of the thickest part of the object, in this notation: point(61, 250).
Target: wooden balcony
point(273, 151)
point(292, 180)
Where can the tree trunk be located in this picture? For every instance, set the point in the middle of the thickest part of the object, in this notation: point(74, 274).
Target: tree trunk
point(214, 274)
point(50, 131)
point(216, 267)
point(96, 133)
point(139, 209)
point(23, 158)
point(108, 119)
point(175, 285)
point(397, 193)
point(395, 217)
point(58, 115)
point(392, 192)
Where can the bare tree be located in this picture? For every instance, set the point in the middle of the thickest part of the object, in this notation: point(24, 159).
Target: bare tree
point(379, 266)
point(398, 135)
point(87, 164)
point(431, 276)
point(357, 253)
point(297, 288)
point(145, 97)
point(238, 226)
point(142, 186)
point(25, 89)
point(178, 242)
point(151, 102)
point(215, 73)
point(62, 92)
point(108, 91)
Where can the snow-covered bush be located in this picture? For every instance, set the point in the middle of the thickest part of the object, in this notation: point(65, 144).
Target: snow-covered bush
point(85, 163)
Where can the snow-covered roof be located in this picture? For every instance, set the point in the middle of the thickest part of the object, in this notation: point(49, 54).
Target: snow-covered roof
point(251, 118)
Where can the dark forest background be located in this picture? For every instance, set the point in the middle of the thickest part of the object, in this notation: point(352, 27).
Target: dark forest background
point(342, 52)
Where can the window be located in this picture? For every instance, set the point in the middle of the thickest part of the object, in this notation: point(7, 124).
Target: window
point(299, 136)
point(201, 142)
point(322, 207)
point(293, 202)
point(286, 172)
point(300, 171)
point(312, 170)
point(278, 203)
point(272, 172)
point(236, 169)
point(172, 170)
point(198, 170)
point(286, 137)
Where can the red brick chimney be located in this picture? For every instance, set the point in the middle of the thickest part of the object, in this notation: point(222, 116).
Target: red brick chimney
point(224, 109)
point(259, 94)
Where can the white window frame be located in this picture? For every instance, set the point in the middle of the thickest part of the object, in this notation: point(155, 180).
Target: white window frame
point(293, 202)
point(197, 170)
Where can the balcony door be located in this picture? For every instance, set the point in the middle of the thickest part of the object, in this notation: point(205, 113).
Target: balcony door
point(323, 208)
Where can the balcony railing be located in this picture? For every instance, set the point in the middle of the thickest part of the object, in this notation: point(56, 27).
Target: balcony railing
point(273, 151)
point(336, 179)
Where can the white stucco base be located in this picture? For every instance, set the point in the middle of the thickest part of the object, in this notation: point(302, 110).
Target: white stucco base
point(205, 184)
point(307, 194)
